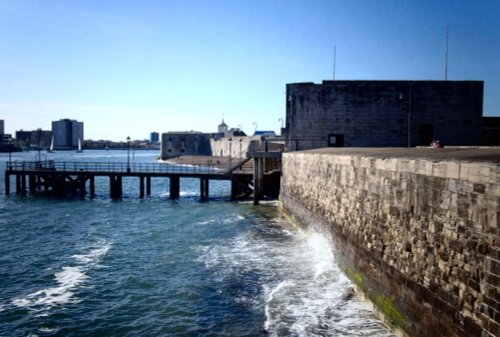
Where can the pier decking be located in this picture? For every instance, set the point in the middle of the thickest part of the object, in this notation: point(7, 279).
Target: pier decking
point(70, 178)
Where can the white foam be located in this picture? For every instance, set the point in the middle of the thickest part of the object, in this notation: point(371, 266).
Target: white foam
point(68, 279)
point(321, 254)
point(47, 330)
point(94, 255)
point(304, 293)
point(188, 193)
point(226, 220)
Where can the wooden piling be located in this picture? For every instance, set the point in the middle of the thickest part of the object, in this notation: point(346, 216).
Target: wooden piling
point(7, 183)
point(141, 187)
point(32, 183)
point(175, 187)
point(92, 186)
point(115, 186)
point(148, 185)
point(258, 175)
point(204, 186)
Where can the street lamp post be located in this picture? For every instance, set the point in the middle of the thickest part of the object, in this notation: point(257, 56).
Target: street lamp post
point(240, 150)
point(409, 115)
point(230, 152)
point(10, 153)
point(128, 154)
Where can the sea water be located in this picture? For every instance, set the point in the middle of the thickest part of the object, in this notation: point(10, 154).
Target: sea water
point(161, 267)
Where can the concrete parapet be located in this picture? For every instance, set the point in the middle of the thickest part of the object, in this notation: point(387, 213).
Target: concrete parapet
point(417, 230)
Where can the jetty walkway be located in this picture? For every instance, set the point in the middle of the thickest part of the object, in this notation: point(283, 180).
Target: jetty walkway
point(78, 178)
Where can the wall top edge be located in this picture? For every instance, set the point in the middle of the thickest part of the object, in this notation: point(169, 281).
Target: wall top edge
point(489, 155)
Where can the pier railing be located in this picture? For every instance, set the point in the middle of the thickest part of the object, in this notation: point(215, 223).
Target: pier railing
point(116, 167)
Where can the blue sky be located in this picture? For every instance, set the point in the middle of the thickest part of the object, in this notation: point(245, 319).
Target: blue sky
point(126, 68)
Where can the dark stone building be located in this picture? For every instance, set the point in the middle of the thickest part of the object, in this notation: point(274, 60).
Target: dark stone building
point(175, 144)
point(491, 131)
point(383, 113)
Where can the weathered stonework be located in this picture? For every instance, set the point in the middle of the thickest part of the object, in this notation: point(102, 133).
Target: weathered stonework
point(383, 113)
point(420, 237)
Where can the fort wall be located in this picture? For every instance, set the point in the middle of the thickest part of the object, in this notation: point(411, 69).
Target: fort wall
point(383, 113)
point(416, 231)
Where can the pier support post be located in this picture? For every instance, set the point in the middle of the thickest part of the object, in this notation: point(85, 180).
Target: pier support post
point(148, 185)
point(20, 183)
point(23, 184)
point(81, 184)
point(258, 178)
point(7, 183)
point(204, 187)
point(141, 187)
point(92, 186)
point(115, 185)
point(175, 187)
point(32, 183)
point(234, 187)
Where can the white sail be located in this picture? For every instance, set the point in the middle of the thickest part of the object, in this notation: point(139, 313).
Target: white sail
point(51, 148)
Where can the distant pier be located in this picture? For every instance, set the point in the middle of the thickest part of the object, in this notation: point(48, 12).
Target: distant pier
point(78, 178)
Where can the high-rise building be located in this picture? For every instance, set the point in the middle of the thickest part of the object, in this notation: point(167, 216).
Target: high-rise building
point(155, 137)
point(67, 133)
point(2, 127)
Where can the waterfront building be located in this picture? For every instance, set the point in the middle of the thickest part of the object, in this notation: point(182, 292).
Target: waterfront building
point(383, 113)
point(264, 133)
point(222, 128)
point(234, 146)
point(227, 142)
point(67, 134)
point(34, 139)
point(2, 127)
point(175, 144)
point(154, 137)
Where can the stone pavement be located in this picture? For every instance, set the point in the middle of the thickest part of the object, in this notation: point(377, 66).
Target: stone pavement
point(468, 154)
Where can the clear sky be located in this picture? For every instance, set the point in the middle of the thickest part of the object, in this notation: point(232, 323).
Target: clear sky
point(127, 68)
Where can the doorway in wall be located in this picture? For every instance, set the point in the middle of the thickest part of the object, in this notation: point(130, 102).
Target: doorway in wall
point(335, 140)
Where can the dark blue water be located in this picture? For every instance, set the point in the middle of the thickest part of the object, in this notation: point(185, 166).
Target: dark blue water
point(158, 267)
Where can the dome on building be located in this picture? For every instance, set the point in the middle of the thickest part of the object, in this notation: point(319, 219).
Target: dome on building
point(222, 127)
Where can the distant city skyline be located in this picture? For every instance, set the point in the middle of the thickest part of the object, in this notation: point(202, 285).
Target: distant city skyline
point(128, 68)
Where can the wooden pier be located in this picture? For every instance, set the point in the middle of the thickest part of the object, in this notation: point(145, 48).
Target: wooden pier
point(78, 178)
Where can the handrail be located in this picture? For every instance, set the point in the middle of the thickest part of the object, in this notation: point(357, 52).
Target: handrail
point(222, 169)
point(120, 167)
point(237, 166)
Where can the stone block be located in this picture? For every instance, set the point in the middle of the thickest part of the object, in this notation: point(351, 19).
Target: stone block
point(445, 169)
point(475, 172)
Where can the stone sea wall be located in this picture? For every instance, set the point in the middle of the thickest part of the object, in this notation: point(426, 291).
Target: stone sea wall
point(419, 237)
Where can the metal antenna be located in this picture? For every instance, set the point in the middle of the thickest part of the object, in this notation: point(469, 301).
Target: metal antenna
point(446, 55)
point(334, 60)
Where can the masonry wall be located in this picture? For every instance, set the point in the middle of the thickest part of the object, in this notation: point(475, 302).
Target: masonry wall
point(236, 147)
point(383, 113)
point(419, 237)
point(175, 144)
